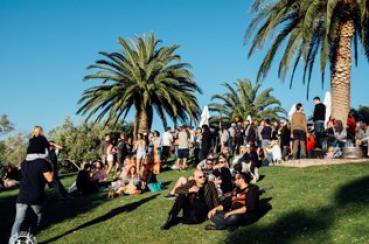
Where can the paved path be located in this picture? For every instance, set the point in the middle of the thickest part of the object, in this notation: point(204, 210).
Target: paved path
point(303, 163)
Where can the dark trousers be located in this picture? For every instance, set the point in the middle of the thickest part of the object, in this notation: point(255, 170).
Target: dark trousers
point(194, 209)
point(58, 186)
point(299, 144)
point(319, 132)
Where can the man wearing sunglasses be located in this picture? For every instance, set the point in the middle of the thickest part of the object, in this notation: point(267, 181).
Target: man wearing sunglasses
point(237, 208)
point(195, 198)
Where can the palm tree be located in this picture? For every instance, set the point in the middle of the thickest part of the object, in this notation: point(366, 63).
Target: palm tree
point(245, 99)
point(146, 77)
point(311, 28)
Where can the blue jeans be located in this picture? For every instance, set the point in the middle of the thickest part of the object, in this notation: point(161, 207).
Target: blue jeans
point(221, 223)
point(21, 210)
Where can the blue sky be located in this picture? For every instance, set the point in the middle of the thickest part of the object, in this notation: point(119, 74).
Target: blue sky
point(47, 45)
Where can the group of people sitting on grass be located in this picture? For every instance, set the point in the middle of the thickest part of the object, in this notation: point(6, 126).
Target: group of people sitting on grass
point(221, 189)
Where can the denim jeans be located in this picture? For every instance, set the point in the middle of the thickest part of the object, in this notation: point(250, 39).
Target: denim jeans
point(21, 210)
point(221, 223)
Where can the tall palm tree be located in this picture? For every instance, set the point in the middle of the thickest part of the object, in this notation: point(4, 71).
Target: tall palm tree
point(310, 28)
point(243, 99)
point(146, 77)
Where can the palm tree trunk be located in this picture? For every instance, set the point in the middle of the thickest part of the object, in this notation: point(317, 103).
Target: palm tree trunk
point(142, 121)
point(341, 73)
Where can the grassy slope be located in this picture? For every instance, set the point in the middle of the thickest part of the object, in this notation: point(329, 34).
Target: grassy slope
point(313, 205)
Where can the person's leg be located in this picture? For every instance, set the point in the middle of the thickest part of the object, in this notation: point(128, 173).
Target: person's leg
point(184, 163)
point(58, 187)
point(222, 223)
point(20, 214)
point(180, 203)
point(295, 148)
point(37, 210)
point(302, 149)
point(110, 166)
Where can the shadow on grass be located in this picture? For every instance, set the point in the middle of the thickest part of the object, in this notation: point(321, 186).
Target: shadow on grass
point(54, 211)
point(307, 224)
point(112, 213)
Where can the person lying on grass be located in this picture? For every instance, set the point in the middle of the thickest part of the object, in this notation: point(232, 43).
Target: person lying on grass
point(195, 198)
point(238, 208)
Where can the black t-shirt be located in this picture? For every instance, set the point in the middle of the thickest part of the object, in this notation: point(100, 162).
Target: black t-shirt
point(248, 197)
point(319, 112)
point(32, 185)
point(37, 145)
point(266, 133)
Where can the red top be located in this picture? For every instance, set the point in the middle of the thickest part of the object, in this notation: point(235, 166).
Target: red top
point(351, 125)
point(310, 145)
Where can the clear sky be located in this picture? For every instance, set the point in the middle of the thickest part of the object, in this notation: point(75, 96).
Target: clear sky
point(45, 47)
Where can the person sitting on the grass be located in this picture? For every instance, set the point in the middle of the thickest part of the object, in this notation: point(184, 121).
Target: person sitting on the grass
point(222, 173)
point(99, 175)
point(132, 184)
point(195, 198)
point(238, 208)
point(310, 144)
point(362, 137)
point(84, 183)
point(340, 134)
point(274, 152)
point(248, 163)
point(11, 177)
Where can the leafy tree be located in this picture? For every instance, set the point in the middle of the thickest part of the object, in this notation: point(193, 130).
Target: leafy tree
point(82, 142)
point(143, 76)
point(5, 125)
point(307, 29)
point(243, 99)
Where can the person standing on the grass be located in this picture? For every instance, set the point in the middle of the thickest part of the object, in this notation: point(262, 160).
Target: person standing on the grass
point(319, 119)
point(238, 208)
point(299, 130)
point(205, 141)
point(232, 138)
point(56, 184)
point(266, 134)
point(285, 139)
point(166, 143)
point(122, 150)
point(35, 174)
point(183, 149)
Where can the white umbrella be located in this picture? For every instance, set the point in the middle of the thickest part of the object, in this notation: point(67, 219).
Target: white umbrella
point(292, 110)
point(249, 118)
point(204, 116)
point(328, 106)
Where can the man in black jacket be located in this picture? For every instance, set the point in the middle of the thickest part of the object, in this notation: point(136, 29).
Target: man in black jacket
point(195, 198)
point(318, 119)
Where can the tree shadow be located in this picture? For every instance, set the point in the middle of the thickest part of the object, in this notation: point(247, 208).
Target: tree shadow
point(112, 213)
point(304, 223)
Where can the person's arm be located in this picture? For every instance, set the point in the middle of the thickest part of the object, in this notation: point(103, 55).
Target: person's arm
point(215, 210)
point(185, 189)
point(237, 211)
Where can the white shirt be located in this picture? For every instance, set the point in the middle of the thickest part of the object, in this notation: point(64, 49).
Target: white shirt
point(167, 139)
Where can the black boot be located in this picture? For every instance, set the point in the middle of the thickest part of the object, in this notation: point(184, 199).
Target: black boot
point(169, 223)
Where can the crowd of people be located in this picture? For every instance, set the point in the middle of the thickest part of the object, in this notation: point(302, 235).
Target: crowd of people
point(226, 161)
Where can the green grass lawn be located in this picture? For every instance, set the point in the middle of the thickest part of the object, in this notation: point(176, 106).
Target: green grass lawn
point(328, 204)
